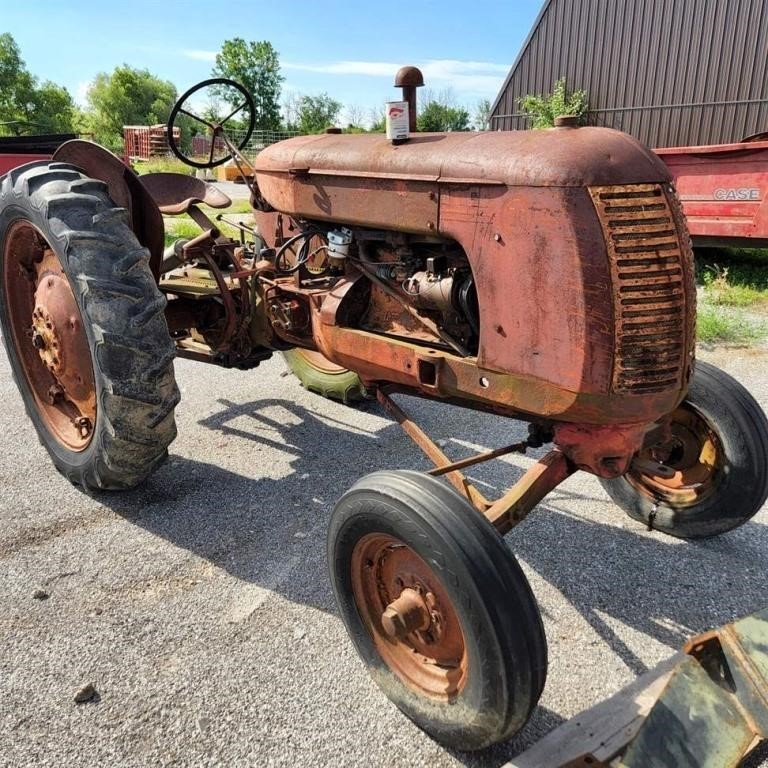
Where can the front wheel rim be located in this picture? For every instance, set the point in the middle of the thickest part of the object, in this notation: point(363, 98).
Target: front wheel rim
point(48, 335)
point(410, 617)
point(695, 453)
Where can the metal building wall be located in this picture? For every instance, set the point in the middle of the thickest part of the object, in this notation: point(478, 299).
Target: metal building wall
point(670, 72)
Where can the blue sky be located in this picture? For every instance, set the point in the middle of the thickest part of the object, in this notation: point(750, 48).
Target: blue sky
point(351, 50)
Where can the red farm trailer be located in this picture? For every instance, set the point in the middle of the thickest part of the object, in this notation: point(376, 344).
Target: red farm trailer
point(17, 150)
point(724, 191)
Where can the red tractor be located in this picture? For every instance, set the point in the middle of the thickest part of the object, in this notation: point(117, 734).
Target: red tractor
point(543, 276)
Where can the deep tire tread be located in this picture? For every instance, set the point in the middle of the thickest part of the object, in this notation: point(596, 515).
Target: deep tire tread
point(123, 311)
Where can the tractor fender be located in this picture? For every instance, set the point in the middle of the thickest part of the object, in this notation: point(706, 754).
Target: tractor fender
point(125, 188)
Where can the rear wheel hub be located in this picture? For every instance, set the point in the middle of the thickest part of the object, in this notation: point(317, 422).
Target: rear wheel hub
point(57, 332)
point(49, 336)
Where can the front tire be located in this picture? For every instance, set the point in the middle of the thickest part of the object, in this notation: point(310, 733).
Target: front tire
point(83, 324)
point(437, 607)
point(720, 456)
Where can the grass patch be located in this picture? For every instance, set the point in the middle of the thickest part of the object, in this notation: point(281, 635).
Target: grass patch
point(179, 227)
point(183, 226)
point(238, 206)
point(734, 278)
point(724, 325)
point(733, 296)
point(162, 165)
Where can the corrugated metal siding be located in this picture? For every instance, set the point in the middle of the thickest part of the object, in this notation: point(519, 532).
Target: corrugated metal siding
point(670, 72)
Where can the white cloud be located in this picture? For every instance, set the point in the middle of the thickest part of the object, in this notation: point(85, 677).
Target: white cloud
point(81, 92)
point(468, 76)
point(374, 68)
point(475, 77)
point(200, 55)
point(454, 65)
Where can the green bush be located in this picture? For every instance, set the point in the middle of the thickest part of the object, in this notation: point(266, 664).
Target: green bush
point(544, 109)
point(734, 278)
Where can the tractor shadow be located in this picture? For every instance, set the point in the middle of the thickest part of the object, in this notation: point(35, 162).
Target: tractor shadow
point(265, 523)
point(270, 517)
point(665, 588)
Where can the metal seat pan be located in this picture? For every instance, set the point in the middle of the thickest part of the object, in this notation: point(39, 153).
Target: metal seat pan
point(175, 193)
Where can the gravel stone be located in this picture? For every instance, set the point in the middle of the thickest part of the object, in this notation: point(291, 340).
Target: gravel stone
point(86, 693)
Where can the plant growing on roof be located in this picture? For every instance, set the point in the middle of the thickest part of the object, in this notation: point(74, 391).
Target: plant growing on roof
point(544, 109)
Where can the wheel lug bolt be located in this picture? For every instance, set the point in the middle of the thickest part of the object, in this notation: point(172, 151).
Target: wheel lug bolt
point(38, 340)
point(405, 615)
point(84, 426)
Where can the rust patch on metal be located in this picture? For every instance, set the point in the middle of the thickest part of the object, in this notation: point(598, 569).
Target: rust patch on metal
point(175, 193)
point(462, 382)
point(408, 613)
point(359, 200)
point(433, 452)
point(544, 476)
point(409, 79)
point(514, 158)
point(549, 246)
point(514, 506)
point(388, 315)
point(691, 453)
point(606, 451)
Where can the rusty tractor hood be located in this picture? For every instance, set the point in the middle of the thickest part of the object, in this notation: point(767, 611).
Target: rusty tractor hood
point(563, 157)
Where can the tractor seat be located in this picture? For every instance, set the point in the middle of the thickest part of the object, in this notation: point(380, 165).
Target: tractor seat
point(175, 193)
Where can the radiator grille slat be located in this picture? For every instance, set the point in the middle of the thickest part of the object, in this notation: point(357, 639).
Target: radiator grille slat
point(647, 247)
point(648, 225)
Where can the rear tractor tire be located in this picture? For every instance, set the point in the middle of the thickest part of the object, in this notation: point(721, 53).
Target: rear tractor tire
point(319, 375)
point(437, 607)
point(83, 324)
point(719, 454)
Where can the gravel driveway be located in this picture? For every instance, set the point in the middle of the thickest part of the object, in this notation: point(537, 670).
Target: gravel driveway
point(200, 609)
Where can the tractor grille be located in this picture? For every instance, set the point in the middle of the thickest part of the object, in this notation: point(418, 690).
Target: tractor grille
point(649, 253)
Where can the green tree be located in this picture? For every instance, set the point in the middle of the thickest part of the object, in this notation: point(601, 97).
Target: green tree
point(25, 105)
point(483, 115)
point(256, 66)
point(52, 108)
point(291, 104)
point(15, 82)
point(436, 116)
point(127, 97)
point(316, 113)
point(544, 109)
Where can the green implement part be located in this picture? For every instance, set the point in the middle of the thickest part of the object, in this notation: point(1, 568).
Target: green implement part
point(704, 708)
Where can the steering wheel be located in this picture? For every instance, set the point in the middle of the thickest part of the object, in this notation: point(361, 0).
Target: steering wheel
point(214, 127)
